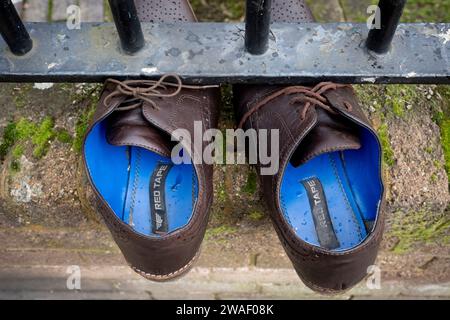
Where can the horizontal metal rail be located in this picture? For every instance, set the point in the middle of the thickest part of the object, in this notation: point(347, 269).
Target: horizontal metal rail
point(215, 53)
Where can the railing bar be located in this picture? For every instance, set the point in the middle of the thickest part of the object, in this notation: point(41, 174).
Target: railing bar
point(257, 26)
point(13, 30)
point(379, 40)
point(128, 25)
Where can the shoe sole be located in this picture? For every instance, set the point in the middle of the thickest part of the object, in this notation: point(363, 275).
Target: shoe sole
point(170, 276)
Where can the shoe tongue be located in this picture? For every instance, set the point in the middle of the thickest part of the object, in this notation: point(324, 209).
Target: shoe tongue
point(130, 128)
point(331, 133)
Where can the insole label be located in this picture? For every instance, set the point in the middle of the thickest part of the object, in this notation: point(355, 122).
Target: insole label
point(321, 216)
point(158, 198)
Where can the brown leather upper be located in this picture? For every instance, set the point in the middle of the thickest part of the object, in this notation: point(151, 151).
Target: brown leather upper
point(305, 134)
point(151, 127)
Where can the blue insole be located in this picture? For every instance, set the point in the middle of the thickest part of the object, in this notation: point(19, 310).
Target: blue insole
point(344, 212)
point(122, 175)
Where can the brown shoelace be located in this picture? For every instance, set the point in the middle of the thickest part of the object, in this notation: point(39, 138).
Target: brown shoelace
point(312, 97)
point(146, 90)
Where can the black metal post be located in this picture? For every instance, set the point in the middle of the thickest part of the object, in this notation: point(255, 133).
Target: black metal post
point(257, 26)
point(380, 40)
point(12, 29)
point(127, 24)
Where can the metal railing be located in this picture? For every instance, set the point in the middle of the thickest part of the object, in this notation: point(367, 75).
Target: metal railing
point(257, 52)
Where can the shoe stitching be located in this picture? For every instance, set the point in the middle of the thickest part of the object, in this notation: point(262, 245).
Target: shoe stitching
point(322, 289)
point(282, 122)
point(169, 275)
point(193, 190)
point(135, 186)
point(329, 150)
point(125, 143)
point(349, 208)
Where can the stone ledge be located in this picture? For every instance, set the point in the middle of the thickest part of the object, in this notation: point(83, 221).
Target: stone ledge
point(119, 282)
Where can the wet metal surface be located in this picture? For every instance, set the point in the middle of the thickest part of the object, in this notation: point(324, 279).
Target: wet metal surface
point(214, 53)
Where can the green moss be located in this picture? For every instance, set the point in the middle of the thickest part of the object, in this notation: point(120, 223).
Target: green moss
point(434, 178)
point(15, 166)
point(20, 101)
point(80, 130)
point(8, 140)
point(107, 15)
point(445, 136)
point(371, 95)
point(444, 91)
point(355, 11)
point(398, 97)
point(42, 137)
point(227, 108)
point(237, 9)
point(397, 108)
point(388, 153)
point(17, 151)
point(64, 137)
point(40, 134)
point(390, 100)
point(428, 150)
point(25, 129)
point(16, 134)
point(50, 10)
point(415, 10)
point(219, 10)
point(426, 11)
point(67, 88)
point(256, 215)
point(442, 118)
point(438, 116)
point(415, 228)
point(221, 193)
point(437, 164)
point(250, 184)
point(222, 230)
point(91, 95)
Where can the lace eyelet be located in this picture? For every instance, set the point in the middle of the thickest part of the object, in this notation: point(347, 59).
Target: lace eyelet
point(347, 105)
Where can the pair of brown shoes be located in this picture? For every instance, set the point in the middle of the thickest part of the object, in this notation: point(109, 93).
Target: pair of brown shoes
point(325, 200)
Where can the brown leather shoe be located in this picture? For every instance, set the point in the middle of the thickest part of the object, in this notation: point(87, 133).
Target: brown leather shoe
point(156, 210)
point(326, 199)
